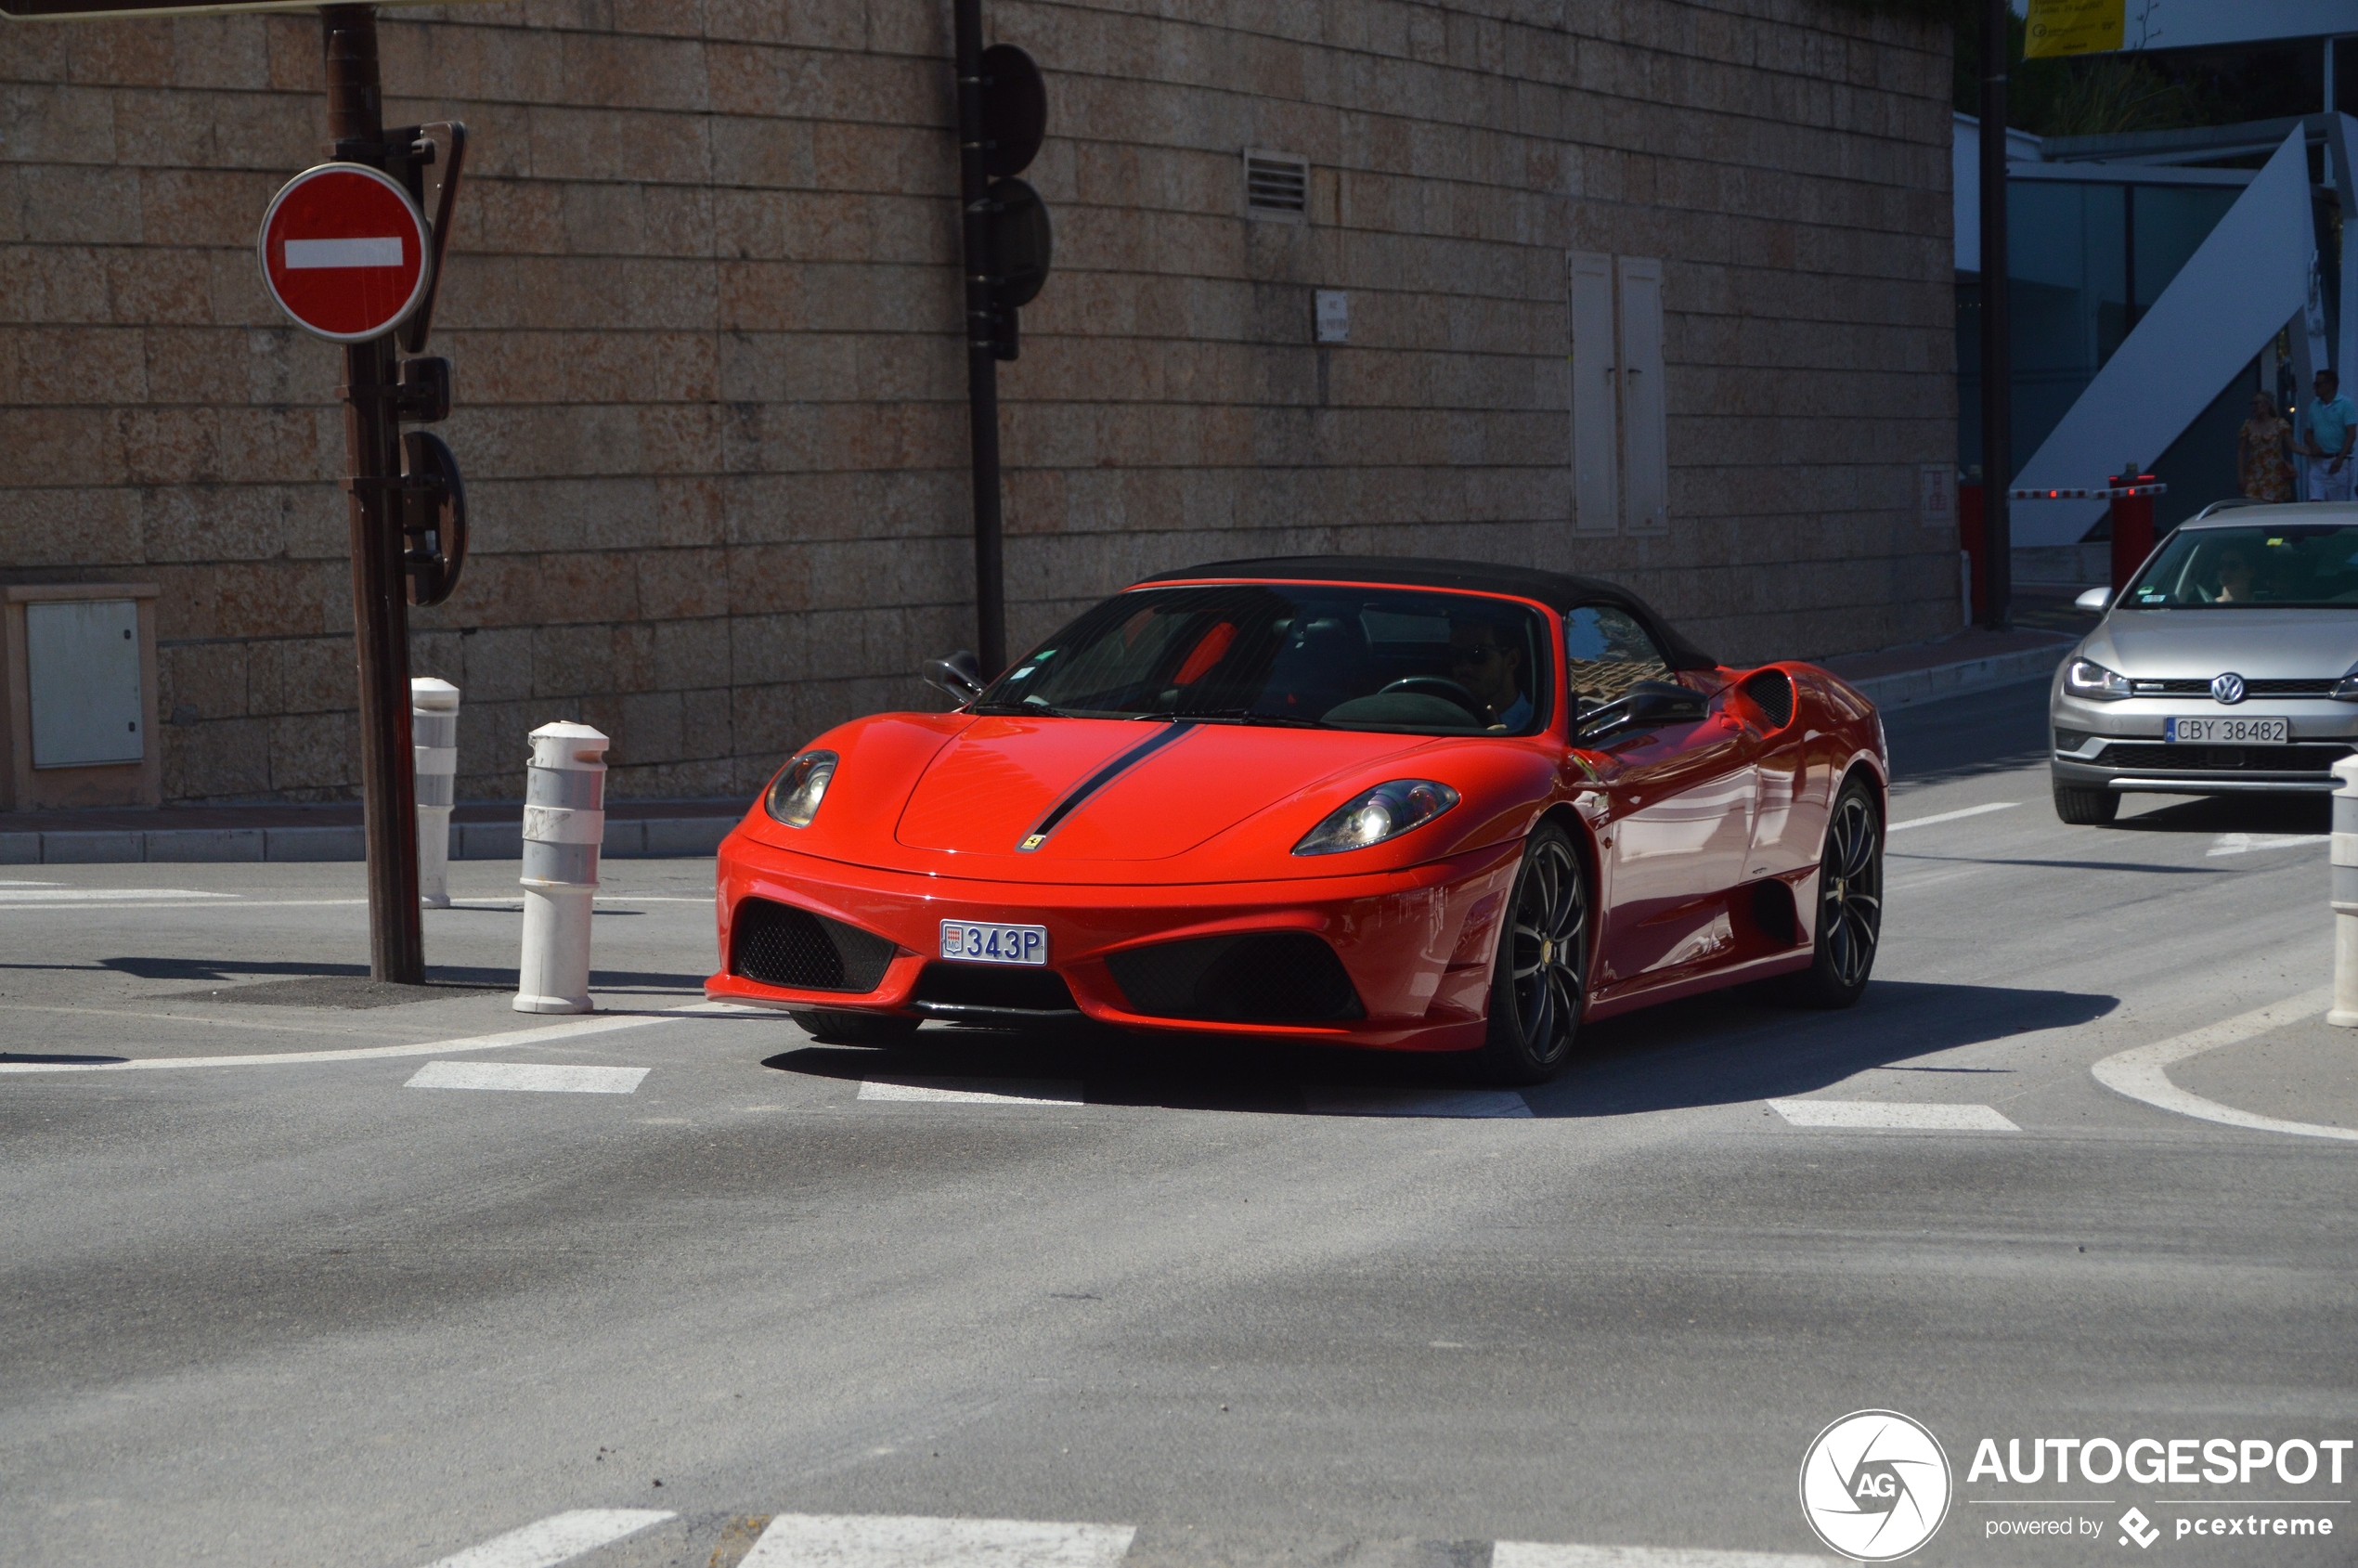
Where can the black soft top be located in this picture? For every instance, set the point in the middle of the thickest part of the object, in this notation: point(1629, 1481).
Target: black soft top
point(1558, 591)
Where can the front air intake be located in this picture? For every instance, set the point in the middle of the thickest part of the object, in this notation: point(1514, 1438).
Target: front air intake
point(1265, 977)
point(778, 944)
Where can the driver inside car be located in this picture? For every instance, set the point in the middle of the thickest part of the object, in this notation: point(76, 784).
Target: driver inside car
point(1486, 659)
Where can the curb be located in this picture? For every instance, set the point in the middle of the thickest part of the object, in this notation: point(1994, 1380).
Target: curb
point(1910, 687)
point(627, 838)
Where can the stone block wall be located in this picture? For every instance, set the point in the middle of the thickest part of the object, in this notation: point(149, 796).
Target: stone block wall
point(703, 305)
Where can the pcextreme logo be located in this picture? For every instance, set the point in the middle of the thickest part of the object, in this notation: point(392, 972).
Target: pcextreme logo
point(1875, 1486)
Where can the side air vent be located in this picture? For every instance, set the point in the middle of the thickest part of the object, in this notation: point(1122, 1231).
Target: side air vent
point(780, 945)
point(1772, 692)
point(1271, 977)
point(1277, 185)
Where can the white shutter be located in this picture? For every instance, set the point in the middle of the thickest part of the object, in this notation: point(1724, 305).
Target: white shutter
point(1645, 449)
point(1595, 462)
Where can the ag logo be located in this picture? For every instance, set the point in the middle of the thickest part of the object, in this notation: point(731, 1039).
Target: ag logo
point(1875, 1486)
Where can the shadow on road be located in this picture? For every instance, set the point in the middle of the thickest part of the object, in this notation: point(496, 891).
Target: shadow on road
point(1716, 1050)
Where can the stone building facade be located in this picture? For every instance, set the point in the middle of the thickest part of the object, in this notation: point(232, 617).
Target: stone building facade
point(703, 311)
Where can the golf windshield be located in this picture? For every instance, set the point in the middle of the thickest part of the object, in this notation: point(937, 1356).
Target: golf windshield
point(2293, 565)
point(1307, 655)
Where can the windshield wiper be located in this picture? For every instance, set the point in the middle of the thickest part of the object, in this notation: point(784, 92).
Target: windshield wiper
point(1040, 710)
point(1235, 716)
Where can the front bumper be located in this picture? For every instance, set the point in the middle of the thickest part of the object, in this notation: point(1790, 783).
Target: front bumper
point(1416, 944)
point(2120, 745)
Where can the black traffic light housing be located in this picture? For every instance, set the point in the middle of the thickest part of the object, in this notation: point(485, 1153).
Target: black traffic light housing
point(1021, 242)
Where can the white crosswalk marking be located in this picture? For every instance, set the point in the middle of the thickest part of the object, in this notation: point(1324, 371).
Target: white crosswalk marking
point(553, 1540)
point(808, 1540)
point(975, 1091)
point(1547, 1554)
point(50, 893)
point(1359, 1101)
point(1914, 1115)
point(1954, 816)
point(539, 1077)
point(2245, 843)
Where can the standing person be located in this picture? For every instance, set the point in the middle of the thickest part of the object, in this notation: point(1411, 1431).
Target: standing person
point(2333, 420)
point(2263, 452)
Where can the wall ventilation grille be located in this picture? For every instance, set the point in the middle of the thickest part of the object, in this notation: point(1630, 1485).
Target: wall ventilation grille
point(1277, 185)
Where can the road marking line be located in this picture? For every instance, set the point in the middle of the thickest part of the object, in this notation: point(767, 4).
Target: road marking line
point(1355, 1101)
point(542, 1077)
point(974, 1091)
point(1550, 1554)
point(1954, 816)
point(2244, 843)
point(1911, 1114)
point(545, 1035)
point(194, 900)
point(806, 1540)
point(555, 1538)
point(14, 894)
point(2142, 1073)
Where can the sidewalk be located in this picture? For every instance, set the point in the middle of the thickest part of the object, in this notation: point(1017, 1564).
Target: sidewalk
point(2046, 624)
point(484, 831)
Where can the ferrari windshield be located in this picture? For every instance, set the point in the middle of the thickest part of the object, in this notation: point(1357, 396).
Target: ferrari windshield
point(1289, 653)
point(2308, 565)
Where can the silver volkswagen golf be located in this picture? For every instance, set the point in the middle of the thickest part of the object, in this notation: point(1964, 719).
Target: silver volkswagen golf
point(2229, 665)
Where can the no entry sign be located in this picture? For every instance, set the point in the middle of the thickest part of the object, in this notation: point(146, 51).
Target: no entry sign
point(345, 252)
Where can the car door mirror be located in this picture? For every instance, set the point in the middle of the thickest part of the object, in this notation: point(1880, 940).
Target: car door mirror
point(1649, 704)
point(2095, 598)
point(958, 675)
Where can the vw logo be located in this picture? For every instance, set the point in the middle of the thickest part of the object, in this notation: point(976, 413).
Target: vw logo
point(2227, 688)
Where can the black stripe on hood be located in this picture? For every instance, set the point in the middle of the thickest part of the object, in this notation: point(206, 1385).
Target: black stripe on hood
point(1080, 792)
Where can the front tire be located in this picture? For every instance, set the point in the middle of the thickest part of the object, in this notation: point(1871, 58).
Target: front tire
point(1849, 904)
point(1539, 980)
point(2085, 808)
point(831, 1027)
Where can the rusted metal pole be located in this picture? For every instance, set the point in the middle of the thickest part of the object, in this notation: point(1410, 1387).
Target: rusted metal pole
point(982, 360)
point(380, 608)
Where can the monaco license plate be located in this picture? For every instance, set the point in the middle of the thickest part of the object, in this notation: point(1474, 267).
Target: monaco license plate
point(2227, 732)
point(986, 942)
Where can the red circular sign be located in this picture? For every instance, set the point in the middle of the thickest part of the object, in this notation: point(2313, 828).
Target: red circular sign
point(344, 251)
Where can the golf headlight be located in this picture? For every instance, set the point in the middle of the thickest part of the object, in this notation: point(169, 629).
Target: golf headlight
point(1386, 811)
point(2085, 677)
point(794, 793)
point(2346, 689)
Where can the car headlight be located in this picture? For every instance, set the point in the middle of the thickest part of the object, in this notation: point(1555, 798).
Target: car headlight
point(1386, 811)
point(2347, 687)
point(794, 793)
point(2088, 678)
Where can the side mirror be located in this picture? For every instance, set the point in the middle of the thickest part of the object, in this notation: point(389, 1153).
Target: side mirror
point(2095, 598)
point(957, 675)
point(1646, 705)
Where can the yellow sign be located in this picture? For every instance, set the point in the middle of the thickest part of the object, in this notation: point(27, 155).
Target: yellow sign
point(2073, 27)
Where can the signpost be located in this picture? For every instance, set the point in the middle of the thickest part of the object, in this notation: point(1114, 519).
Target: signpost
point(349, 252)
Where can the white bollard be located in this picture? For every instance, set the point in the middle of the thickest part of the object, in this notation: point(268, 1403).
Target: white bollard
point(433, 741)
point(2345, 895)
point(565, 822)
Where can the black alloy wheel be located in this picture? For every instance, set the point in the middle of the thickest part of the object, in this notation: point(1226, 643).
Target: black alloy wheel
point(1539, 980)
point(1849, 903)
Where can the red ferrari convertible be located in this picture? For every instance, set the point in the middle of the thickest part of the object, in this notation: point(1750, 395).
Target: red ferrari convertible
point(1411, 805)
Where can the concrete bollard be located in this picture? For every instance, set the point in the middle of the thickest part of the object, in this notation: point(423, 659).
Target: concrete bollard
point(433, 741)
point(2345, 895)
point(565, 822)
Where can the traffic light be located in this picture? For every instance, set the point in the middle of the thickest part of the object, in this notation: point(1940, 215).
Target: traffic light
point(1021, 242)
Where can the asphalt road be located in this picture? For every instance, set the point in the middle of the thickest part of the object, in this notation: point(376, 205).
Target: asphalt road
point(1262, 1308)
